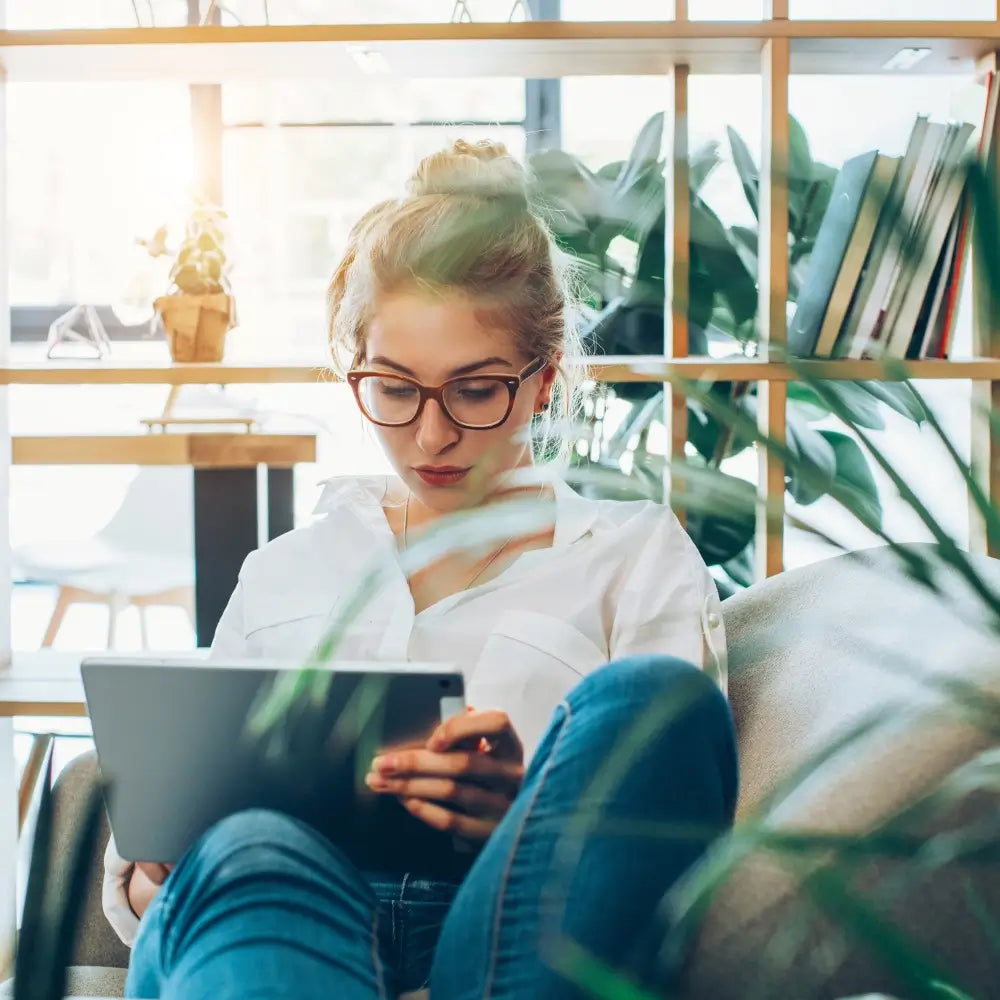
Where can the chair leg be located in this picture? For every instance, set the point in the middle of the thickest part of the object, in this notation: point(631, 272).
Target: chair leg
point(143, 626)
point(40, 744)
point(116, 604)
point(63, 601)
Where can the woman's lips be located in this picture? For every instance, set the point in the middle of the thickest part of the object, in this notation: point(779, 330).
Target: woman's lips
point(441, 477)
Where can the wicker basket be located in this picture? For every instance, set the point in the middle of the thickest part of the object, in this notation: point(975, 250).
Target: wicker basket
point(196, 325)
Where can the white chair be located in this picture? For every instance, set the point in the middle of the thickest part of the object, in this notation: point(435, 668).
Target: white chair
point(143, 556)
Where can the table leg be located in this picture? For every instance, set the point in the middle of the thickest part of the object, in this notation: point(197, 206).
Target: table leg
point(225, 532)
point(8, 848)
point(280, 501)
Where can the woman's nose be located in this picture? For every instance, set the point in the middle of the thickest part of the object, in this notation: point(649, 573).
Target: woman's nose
point(435, 432)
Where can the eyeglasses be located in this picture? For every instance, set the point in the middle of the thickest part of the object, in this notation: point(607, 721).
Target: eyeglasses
point(473, 402)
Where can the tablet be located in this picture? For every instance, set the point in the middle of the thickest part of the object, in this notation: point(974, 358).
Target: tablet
point(177, 754)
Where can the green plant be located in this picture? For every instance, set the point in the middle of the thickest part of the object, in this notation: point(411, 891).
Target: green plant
point(612, 222)
point(53, 899)
point(200, 263)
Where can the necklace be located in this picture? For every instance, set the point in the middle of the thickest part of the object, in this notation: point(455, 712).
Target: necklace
point(489, 562)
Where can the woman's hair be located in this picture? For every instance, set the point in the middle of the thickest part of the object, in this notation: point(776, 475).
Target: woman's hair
point(464, 225)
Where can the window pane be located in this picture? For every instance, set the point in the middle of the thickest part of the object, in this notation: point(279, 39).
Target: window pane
point(361, 11)
point(380, 99)
point(725, 10)
point(293, 195)
point(892, 10)
point(90, 168)
point(622, 10)
point(660, 10)
point(602, 115)
point(44, 14)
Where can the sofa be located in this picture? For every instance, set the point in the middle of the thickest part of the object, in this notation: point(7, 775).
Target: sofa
point(849, 643)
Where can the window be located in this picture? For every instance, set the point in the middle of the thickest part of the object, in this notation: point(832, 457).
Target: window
point(302, 162)
point(90, 168)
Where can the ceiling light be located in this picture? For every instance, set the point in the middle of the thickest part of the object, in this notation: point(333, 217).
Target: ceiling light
point(906, 59)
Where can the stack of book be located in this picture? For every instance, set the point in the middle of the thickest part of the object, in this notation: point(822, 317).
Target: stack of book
point(884, 275)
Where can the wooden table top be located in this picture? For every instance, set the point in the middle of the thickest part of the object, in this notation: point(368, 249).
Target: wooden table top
point(208, 450)
point(47, 682)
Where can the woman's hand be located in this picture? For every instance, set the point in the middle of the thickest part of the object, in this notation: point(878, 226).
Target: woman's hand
point(144, 883)
point(463, 780)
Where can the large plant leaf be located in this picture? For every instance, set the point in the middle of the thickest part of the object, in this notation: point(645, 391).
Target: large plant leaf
point(746, 244)
point(897, 395)
point(702, 164)
point(853, 468)
point(811, 449)
point(648, 148)
point(31, 964)
point(746, 168)
point(719, 259)
point(704, 429)
point(718, 538)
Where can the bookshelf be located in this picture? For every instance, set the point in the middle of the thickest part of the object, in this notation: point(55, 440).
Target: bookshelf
point(774, 48)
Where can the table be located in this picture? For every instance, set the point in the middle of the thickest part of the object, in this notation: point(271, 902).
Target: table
point(225, 492)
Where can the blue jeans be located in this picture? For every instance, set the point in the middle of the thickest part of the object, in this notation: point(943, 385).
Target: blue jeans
point(263, 906)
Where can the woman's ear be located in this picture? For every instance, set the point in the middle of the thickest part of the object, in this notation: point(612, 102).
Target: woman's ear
point(548, 377)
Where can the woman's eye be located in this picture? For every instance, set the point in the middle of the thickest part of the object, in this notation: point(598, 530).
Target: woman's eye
point(480, 393)
point(396, 390)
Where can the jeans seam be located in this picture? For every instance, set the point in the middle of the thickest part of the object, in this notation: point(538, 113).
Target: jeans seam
point(505, 877)
point(376, 960)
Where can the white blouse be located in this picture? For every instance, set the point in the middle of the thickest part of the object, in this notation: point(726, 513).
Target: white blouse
point(620, 578)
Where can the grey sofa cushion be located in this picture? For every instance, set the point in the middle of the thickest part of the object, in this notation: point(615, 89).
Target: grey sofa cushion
point(814, 652)
point(86, 981)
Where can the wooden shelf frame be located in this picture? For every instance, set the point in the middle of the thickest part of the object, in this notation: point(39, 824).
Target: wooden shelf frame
point(607, 368)
point(773, 48)
point(212, 54)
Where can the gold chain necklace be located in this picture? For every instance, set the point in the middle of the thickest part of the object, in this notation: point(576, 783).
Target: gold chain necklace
point(489, 562)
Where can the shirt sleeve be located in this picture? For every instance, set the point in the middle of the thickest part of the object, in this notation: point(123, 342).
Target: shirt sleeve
point(114, 895)
point(670, 604)
point(229, 643)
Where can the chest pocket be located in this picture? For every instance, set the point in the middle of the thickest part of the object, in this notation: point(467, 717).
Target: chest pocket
point(529, 663)
point(285, 627)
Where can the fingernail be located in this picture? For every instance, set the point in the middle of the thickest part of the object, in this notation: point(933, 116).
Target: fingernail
point(376, 782)
point(387, 765)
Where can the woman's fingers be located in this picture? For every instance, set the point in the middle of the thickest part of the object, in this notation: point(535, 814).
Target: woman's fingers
point(493, 726)
point(476, 768)
point(471, 799)
point(154, 871)
point(442, 818)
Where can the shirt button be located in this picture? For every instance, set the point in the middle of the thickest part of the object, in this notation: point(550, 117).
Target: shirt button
point(714, 619)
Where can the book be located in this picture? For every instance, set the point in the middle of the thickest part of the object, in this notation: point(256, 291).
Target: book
point(921, 255)
point(850, 342)
point(874, 200)
point(825, 261)
point(928, 338)
point(896, 226)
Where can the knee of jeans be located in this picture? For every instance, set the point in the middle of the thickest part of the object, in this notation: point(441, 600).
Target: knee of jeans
point(256, 829)
point(639, 681)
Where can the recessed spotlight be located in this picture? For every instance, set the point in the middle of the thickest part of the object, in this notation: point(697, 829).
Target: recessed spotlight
point(906, 59)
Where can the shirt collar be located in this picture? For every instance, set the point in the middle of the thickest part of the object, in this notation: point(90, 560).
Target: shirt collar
point(575, 514)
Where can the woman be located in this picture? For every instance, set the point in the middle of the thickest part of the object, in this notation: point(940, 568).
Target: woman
point(450, 307)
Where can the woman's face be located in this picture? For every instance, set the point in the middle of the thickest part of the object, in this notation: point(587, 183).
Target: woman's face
point(432, 339)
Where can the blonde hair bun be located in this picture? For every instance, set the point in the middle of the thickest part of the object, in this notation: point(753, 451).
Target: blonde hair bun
point(482, 169)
